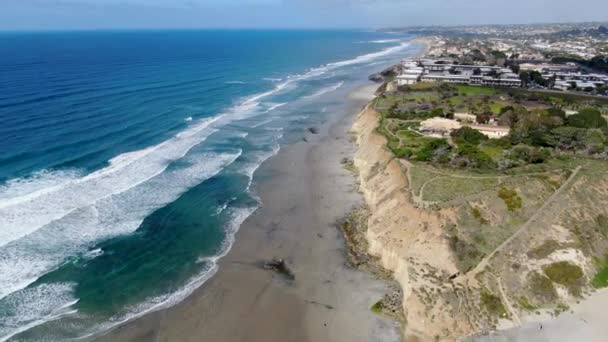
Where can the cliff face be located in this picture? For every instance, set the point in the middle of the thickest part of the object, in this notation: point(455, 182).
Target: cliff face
point(408, 241)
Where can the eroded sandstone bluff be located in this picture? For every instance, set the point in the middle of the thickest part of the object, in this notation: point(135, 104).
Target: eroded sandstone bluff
point(407, 240)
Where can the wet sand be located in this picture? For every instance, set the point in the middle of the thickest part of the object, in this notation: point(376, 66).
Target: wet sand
point(305, 191)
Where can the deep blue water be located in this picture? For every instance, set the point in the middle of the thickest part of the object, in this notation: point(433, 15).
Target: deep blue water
point(126, 158)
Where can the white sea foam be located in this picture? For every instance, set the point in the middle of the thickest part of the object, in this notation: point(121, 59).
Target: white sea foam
point(235, 82)
point(273, 106)
point(371, 56)
point(24, 260)
point(270, 79)
point(24, 212)
point(238, 216)
point(39, 181)
point(327, 90)
point(385, 41)
point(188, 119)
point(35, 306)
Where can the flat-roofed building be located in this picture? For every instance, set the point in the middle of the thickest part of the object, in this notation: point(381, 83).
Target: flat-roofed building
point(445, 78)
point(407, 79)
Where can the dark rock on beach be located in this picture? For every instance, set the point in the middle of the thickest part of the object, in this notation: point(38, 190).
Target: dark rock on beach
point(281, 267)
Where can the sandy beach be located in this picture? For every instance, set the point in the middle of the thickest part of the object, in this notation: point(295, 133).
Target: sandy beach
point(305, 191)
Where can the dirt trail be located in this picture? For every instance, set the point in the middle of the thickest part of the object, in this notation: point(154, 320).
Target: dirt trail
point(484, 262)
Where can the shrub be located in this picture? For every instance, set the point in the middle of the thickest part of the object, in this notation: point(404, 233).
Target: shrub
point(600, 280)
point(542, 287)
point(471, 156)
point(378, 307)
point(466, 253)
point(587, 118)
point(511, 198)
point(493, 304)
point(427, 152)
point(468, 135)
point(544, 250)
point(478, 215)
point(530, 155)
point(554, 111)
point(567, 274)
point(437, 112)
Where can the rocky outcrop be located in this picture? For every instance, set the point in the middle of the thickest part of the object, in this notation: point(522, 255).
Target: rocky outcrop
point(386, 75)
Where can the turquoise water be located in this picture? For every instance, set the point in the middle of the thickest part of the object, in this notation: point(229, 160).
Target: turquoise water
point(127, 158)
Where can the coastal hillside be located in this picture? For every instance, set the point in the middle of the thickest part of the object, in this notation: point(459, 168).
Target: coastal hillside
point(486, 220)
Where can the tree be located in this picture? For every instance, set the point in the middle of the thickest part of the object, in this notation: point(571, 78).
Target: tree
point(554, 111)
point(538, 78)
point(524, 76)
point(587, 118)
point(482, 118)
point(468, 135)
point(427, 152)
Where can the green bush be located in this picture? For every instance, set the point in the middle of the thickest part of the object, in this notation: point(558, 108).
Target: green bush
point(466, 253)
point(493, 304)
point(567, 274)
point(600, 280)
point(544, 250)
point(427, 152)
point(587, 118)
point(511, 198)
point(377, 307)
point(475, 157)
point(468, 135)
point(531, 155)
point(542, 287)
point(478, 215)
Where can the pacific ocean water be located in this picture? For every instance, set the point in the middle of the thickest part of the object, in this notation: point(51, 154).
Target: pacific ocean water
point(127, 158)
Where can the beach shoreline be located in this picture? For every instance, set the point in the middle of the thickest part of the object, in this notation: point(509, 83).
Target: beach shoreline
point(305, 191)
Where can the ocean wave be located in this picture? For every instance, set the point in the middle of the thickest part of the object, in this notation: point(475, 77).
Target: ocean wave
point(237, 217)
point(273, 106)
point(25, 211)
point(35, 306)
point(371, 56)
point(23, 261)
point(385, 41)
point(235, 82)
point(261, 123)
point(327, 90)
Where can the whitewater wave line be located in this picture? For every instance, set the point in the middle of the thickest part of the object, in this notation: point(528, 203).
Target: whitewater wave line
point(326, 90)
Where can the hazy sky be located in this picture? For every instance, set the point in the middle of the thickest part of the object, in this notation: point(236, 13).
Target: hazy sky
point(92, 14)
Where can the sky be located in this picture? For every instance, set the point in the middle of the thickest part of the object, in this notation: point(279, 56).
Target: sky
point(150, 14)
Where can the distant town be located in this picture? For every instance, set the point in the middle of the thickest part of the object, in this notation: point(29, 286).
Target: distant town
point(559, 57)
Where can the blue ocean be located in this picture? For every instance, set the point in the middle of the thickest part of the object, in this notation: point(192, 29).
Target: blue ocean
point(127, 158)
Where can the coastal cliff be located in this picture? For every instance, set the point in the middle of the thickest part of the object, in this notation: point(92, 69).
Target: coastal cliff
point(408, 241)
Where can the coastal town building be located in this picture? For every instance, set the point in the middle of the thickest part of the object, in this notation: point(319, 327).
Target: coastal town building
point(441, 127)
point(414, 71)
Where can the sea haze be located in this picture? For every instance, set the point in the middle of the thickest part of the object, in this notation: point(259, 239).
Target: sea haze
point(127, 158)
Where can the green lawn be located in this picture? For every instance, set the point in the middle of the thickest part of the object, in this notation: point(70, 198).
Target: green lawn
point(475, 90)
